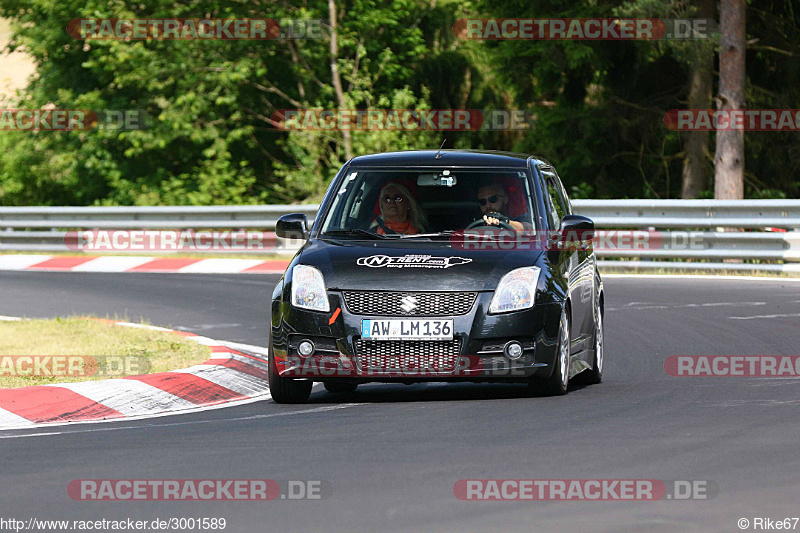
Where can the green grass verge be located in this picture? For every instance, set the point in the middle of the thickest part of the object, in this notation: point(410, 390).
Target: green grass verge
point(107, 350)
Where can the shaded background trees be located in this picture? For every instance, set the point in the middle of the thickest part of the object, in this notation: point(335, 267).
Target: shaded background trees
point(211, 140)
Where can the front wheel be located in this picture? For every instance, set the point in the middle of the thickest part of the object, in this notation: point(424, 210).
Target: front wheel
point(558, 382)
point(286, 390)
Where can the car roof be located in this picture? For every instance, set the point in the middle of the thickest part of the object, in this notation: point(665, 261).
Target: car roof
point(447, 158)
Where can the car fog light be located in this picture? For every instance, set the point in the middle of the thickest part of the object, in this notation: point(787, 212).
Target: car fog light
point(513, 350)
point(306, 348)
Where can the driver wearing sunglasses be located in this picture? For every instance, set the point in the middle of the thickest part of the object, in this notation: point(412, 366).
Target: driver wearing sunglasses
point(492, 198)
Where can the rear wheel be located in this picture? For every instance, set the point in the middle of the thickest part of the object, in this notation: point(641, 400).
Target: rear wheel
point(286, 390)
point(558, 382)
point(338, 387)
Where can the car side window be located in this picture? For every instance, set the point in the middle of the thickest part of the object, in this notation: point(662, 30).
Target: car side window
point(555, 200)
point(563, 195)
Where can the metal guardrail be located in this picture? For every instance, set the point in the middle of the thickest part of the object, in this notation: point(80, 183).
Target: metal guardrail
point(687, 230)
point(691, 213)
point(262, 217)
point(43, 229)
point(674, 223)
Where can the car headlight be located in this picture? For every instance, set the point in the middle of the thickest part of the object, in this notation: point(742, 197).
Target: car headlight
point(516, 290)
point(308, 289)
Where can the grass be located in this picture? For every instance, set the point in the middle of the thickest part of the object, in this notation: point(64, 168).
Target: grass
point(114, 350)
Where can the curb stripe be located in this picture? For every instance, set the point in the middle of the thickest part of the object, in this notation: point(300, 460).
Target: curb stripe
point(45, 403)
point(184, 333)
point(238, 382)
point(205, 341)
point(112, 264)
point(228, 376)
point(221, 349)
point(128, 263)
point(245, 368)
point(129, 397)
point(20, 262)
point(7, 418)
point(190, 387)
point(221, 266)
point(244, 358)
point(269, 267)
point(61, 263)
point(166, 264)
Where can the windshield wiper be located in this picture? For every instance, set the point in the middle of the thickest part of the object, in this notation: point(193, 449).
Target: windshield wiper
point(445, 233)
point(354, 231)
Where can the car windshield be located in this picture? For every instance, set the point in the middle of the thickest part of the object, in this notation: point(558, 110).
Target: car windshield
point(407, 203)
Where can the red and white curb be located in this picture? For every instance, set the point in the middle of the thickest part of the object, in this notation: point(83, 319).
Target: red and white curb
point(183, 265)
point(228, 377)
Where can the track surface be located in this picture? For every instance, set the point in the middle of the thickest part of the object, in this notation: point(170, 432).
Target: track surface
point(393, 453)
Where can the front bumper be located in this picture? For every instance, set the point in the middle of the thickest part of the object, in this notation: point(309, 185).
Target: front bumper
point(478, 356)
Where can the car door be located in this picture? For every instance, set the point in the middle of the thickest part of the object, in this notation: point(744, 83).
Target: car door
point(580, 265)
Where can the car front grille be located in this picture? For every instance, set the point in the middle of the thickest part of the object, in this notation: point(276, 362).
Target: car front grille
point(438, 356)
point(376, 303)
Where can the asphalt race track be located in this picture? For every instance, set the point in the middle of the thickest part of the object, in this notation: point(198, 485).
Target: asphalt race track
point(392, 454)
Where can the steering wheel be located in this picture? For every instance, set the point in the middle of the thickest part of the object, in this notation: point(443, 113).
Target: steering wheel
point(504, 222)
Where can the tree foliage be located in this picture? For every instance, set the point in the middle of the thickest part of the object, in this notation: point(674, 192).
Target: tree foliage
point(211, 138)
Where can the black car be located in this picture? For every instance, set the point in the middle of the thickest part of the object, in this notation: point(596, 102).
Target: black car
point(403, 279)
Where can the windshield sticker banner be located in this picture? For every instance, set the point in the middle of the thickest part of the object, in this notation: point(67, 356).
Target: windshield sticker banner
point(411, 261)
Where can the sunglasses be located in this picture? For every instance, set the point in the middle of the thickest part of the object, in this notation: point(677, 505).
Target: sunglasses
point(492, 199)
point(397, 199)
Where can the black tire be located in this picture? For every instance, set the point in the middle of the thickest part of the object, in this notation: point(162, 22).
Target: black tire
point(558, 382)
point(340, 387)
point(594, 375)
point(286, 390)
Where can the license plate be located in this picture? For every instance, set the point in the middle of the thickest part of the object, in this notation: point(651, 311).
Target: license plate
point(407, 329)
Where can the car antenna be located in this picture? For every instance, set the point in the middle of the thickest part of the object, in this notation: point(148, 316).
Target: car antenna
point(439, 152)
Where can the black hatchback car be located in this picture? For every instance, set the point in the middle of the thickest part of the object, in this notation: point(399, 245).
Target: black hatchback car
point(438, 266)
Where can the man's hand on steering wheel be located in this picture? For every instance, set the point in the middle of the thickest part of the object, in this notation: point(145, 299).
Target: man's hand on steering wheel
point(492, 219)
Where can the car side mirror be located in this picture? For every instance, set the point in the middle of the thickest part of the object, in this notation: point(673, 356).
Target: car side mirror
point(292, 226)
point(582, 227)
point(574, 233)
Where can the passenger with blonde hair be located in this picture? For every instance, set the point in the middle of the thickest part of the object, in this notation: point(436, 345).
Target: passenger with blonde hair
point(399, 210)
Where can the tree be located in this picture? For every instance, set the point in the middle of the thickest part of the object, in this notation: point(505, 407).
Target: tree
point(729, 157)
point(695, 165)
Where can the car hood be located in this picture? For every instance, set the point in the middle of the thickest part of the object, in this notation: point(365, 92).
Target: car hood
point(410, 265)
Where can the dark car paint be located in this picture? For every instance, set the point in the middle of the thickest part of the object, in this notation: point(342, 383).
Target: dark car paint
point(567, 277)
